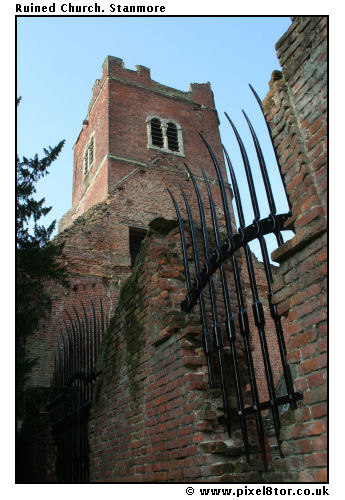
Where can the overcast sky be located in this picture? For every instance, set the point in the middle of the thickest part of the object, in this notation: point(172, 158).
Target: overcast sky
point(59, 59)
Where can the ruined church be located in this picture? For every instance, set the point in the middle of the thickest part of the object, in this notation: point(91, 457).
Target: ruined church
point(200, 394)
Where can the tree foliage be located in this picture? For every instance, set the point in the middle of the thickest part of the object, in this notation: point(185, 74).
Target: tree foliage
point(37, 260)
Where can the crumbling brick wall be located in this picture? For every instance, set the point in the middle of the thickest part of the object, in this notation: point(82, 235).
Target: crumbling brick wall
point(154, 417)
point(296, 108)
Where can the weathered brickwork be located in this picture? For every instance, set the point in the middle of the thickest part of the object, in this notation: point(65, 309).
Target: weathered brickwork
point(296, 108)
point(154, 417)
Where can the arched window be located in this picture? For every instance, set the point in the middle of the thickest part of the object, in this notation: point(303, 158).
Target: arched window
point(89, 155)
point(165, 135)
point(172, 137)
point(156, 133)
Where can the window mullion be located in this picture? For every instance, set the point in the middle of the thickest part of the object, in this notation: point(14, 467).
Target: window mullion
point(165, 137)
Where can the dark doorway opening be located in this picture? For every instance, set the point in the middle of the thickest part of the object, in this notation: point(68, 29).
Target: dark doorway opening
point(136, 236)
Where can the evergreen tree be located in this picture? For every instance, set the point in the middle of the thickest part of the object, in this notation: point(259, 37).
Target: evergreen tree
point(37, 261)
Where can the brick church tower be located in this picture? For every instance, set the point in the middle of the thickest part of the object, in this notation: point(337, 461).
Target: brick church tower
point(134, 127)
point(133, 123)
point(133, 144)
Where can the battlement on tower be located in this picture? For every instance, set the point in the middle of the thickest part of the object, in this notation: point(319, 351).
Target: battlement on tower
point(114, 68)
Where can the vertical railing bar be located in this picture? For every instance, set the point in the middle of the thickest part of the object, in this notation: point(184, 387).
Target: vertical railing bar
point(74, 394)
point(100, 337)
point(272, 142)
point(216, 325)
point(89, 400)
point(242, 315)
point(63, 361)
point(230, 323)
point(92, 342)
point(84, 358)
point(87, 392)
point(96, 327)
point(80, 395)
point(62, 377)
point(79, 351)
point(97, 336)
point(206, 334)
point(257, 304)
point(52, 382)
point(68, 340)
point(86, 368)
point(69, 400)
point(65, 404)
point(58, 386)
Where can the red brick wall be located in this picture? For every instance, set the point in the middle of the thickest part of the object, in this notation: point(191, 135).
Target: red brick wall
point(154, 417)
point(296, 108)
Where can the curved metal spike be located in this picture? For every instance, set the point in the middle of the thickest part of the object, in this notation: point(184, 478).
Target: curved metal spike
point(272, 142)
point(236, 190)
point(222, 187)
point(70, 350)
point(192, 230)
point(183, 242)
point(79, 339)
point(247, 169)
point(73, 326)
point(262, 164)
point(213, 210)
point(201, 212)
point(265, 177)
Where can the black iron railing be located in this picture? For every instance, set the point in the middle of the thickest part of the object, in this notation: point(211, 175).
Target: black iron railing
point(72, 387)
point(223, 253)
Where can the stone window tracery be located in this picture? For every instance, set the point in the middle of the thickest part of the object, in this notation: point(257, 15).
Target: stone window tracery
point(164, 135)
